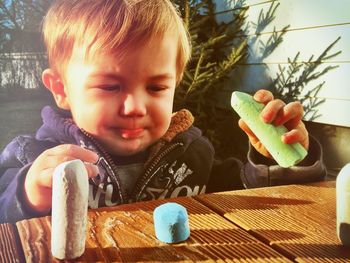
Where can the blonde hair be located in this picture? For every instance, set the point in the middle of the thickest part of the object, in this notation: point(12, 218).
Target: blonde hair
point(110, 26)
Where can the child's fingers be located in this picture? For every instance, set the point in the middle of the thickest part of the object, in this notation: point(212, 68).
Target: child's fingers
point(75, 152)
point(271, 110)
point(47, 161)
point(46, 168)
point(253, 139)
point(263, 96)
point(278, 112)
point(92, 170)
point(297, 135)
point(45, 177)
point(290, 115)
point(248, 131)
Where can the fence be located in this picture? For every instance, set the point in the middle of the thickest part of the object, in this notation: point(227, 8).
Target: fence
point(21, 70)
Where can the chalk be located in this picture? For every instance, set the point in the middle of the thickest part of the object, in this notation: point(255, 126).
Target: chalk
point(343, 205)
point(249, 110)
point(171, 223)
point(70, 189)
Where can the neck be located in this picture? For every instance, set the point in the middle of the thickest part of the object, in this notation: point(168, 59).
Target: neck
point(139, 157)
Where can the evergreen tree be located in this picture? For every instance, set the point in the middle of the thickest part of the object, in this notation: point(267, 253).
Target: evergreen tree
point(218, 51)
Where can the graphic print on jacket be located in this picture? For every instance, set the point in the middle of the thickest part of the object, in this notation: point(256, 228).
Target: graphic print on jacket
point(164, 182)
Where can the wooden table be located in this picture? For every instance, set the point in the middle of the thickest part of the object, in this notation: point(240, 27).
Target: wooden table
point(275, 224)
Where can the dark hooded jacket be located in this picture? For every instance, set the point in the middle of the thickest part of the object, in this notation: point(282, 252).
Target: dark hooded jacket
point(181, 163)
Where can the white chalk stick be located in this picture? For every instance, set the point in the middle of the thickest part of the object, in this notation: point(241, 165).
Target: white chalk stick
point(343, 205)
point(70, 189)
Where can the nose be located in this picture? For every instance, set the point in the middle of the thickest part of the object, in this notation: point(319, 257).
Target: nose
point(133, 106)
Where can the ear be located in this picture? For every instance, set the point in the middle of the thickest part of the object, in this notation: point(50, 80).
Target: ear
point(53, 82)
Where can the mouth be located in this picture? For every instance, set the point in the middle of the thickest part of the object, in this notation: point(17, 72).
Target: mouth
point(130, 133)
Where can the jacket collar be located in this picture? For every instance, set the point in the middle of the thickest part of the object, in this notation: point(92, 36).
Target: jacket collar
point(58, 126)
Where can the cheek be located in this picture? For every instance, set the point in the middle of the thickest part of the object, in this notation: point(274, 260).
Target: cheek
point(163, 118)
point(90, 119)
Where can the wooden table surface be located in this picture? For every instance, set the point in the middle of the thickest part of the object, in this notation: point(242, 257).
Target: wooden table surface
point(275, 224)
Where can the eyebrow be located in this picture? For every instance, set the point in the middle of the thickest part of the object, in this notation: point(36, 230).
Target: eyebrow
point(114, 76)
point(106, 75)
point(160, 77)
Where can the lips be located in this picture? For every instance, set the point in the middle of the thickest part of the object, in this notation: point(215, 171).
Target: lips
point(130, 133)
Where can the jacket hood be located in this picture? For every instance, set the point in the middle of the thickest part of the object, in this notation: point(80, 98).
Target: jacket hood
point(58, 126)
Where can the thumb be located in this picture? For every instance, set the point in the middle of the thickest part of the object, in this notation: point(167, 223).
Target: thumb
point(253, 139)
point(91, 169)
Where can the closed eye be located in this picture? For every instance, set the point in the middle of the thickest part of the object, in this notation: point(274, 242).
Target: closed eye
point(115, 88)
point(155, 88)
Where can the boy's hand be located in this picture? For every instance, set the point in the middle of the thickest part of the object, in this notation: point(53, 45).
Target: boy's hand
point(278, 113)
point(38, 183)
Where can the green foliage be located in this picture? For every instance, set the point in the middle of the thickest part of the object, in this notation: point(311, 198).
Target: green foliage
point(220, 51)
point(215, 53)
point(292, 79)
point(276, 38)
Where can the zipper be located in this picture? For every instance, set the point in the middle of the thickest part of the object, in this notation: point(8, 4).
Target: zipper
point(155, 161)
point(110, 163)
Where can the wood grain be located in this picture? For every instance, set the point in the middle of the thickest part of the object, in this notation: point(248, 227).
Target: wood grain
point(125, 234)
point(10, 249)
point(298, 221)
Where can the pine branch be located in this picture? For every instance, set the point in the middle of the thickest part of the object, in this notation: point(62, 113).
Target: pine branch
point(291, 80)
point(217, 48)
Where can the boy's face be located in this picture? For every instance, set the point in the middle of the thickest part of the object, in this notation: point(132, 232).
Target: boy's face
point(126, 105)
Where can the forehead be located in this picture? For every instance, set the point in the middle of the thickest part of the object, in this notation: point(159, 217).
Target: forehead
point(158, 54)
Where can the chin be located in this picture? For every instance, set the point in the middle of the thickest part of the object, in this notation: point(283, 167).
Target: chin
point(125, 150)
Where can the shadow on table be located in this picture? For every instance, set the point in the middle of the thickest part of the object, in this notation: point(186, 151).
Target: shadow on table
point(232, 201)
point(180, 253)
point(198, 252)
point(203, 244)
point(330, 252)
point(271, 235)
point(289, 244)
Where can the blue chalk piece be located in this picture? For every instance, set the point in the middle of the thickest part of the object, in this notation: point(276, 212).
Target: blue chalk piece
point(171, 223)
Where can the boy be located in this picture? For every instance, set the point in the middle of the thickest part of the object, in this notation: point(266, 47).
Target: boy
point(113, 70)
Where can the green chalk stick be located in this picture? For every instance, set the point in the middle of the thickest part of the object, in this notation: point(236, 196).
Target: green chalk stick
point(249, 110)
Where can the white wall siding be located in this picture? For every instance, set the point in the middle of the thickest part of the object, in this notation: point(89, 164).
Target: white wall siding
point(314, 25)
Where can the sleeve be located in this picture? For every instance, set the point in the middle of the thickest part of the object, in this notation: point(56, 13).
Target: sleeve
point(12, 176)
point(191, 170)
point(260, 171)
point(225, 175)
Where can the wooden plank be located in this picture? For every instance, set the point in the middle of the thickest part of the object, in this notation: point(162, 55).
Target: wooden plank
point(35, 235)
point(10, 246)
point(296, 220)
point(125, 233)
